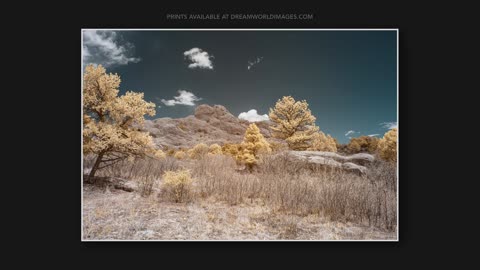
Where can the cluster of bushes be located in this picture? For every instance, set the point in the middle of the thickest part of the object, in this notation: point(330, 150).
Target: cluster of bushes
point(292, 122)
point(195, 152)
point(362, 144)
point(386, 147)
point(247, 152)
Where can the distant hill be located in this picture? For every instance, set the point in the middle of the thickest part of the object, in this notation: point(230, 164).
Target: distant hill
point(209, 124)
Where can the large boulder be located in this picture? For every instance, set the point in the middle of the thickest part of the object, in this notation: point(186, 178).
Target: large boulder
point(354, 168)
point(353, 163)
point(360, 158)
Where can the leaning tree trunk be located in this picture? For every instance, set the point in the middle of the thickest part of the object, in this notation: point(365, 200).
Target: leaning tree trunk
point(95, 166)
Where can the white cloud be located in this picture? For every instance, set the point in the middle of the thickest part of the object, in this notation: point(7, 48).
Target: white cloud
point(199, 58)
point(106, 48)
point(254, 62)
point(373, 135)
point(253, 116)
point(349, 132)
point(389, 125)
point(184, 98)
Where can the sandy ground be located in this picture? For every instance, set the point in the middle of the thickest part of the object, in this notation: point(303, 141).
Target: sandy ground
point(128, 216)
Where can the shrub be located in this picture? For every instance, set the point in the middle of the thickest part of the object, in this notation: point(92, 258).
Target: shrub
point(145, 184)
point(170, 152)
point(159, 154)
point(180, 154)
point(363, 144)
point(231, 149)
point(198, 151)
point(177, 186)
point(322, 142)
point(387, 146)
point(354, 147)
point(145, 171)
point(215, 149)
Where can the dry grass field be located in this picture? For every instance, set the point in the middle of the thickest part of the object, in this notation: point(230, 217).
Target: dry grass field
point(278, 200)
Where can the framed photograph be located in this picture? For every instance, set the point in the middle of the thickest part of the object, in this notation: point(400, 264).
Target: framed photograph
point(240, 134)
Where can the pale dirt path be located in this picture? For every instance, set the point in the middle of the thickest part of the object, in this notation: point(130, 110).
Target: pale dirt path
point(122, 215)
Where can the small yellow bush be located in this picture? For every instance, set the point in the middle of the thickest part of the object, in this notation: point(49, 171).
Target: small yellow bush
point(198, 151)
point(177, 185)
point(215, 149)
point(170, 152)
point(387, 146)
point(159, 154)
point(180, 155)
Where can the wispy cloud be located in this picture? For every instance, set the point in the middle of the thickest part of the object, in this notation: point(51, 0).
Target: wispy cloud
point(389, 125)
point(254, 62)
point(199, 58)
point(373, 135)
point(253, 116)
point(184, 98)
point(350, 132)
point(106, 48)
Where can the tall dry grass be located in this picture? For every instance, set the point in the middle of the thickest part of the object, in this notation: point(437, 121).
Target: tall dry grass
point(147, 172)
point(303, 189)
point(286, 186)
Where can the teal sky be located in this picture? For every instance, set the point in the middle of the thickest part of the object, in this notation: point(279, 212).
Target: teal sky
point(349, 78)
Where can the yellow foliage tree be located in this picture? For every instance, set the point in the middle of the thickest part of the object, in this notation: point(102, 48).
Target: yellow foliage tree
point(363, 144)
point(293, 122)
point(354, 147)
point(387, 146)
point(110, 121)
point(252, 146)
point(231, 149)
point(337, 144)
point(322, 142)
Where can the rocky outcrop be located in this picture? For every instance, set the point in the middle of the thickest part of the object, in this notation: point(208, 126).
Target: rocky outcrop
point(110, 182)
point(354, 163)
point(209, 124)
point(354, 168)
point(360, 158)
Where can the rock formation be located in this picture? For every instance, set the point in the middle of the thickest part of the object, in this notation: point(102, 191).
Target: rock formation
point(354, 163)
point(209, 124)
